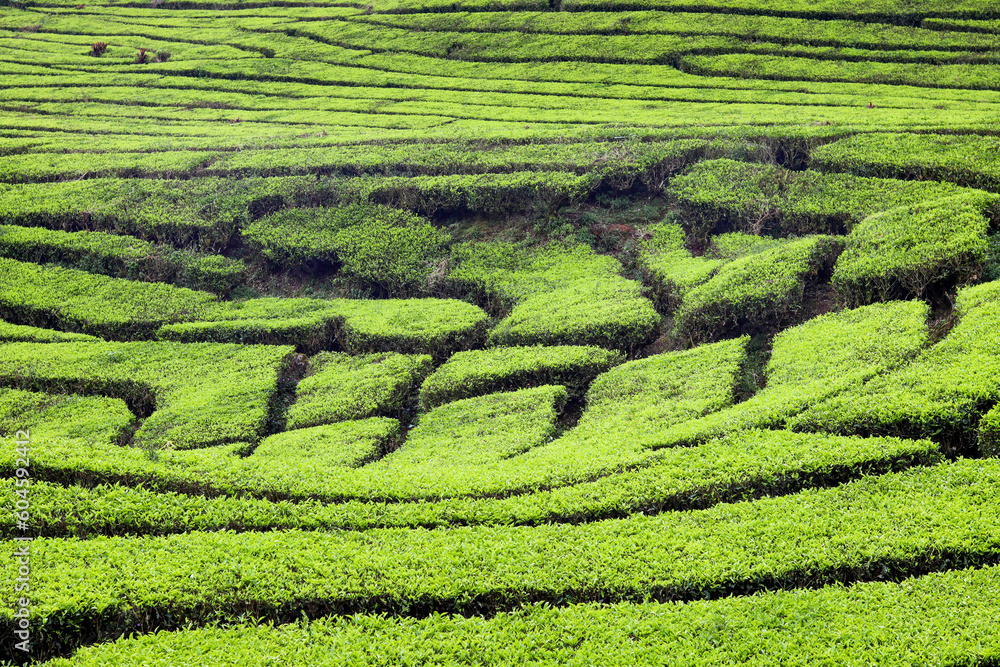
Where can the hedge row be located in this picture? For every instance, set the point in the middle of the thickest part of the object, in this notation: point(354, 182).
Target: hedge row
point(19, 333)
point(618, 162)
point(457, 445)
point(55, 297)
point(940, 395)
point(631, 407)
point(756, 292)
point(467, 447)
point(669, 269)
point(121, 257)
point(206, 211)
point(317, 450)
point(925, 519)
point(941, 618)
point(815, 360)
point(482, 193)
point(989, 433)
point(885, 11)
point(553, 295)
point(830, 65)
point(339, 387)
point(720, 195)
point(608, 311)
point(761, 27)
point(191, 395)
point(513, 46)
point(59, 298)
point(739, 467)
point(46, 167)
point(478, 372)
point(909, 251)
point(496, 100)
point(967, 160)
point(410, 326)
point(389, 248)
point(622, 45)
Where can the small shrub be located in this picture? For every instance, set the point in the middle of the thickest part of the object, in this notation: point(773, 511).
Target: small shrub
point(98, 49)
point(142, 57)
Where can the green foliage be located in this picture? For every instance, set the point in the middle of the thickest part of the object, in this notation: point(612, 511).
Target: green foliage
point(670, 268)
point(438, 327)
point(478, 372)
point(924, 518)
point(206, 211)
point(619, 163)
point(940, 395)
point(450, 446)
point(832, 64)
point(194, 395)
point(755, 291)
point(557, 295)
point(966, 160)
point(121, 257)
point(936, 619)
point(742, 466)
point(481, 193)
point(285, 133)
point(393, 257)
point(39, 168)
point(415, 326)
point(18, 333)
point(54, 297)
point(83, 420)
point(313, 451)
point(989, 433)
point(495, 445)
point(816, 360)
point(339, 387)
point(734, 245)
point(608, 311)
point(726, 194)
point(390, 248)
point(308, 334)
point(907, 251)
point(499, 275)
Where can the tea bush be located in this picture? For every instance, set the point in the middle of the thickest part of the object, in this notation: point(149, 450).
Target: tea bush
point(59, 298)
point(906, 252)
point(477, 372)
point(339, 387)
point(195, 395)
point(755, 291)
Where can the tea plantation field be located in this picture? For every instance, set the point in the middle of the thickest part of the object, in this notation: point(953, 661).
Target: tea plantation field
point(500, 332)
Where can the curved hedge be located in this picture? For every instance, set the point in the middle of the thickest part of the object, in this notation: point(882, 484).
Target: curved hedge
point(909, 251)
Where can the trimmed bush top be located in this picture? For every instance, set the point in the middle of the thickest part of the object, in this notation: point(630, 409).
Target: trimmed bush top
point(907, 251)
point(477, 372)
